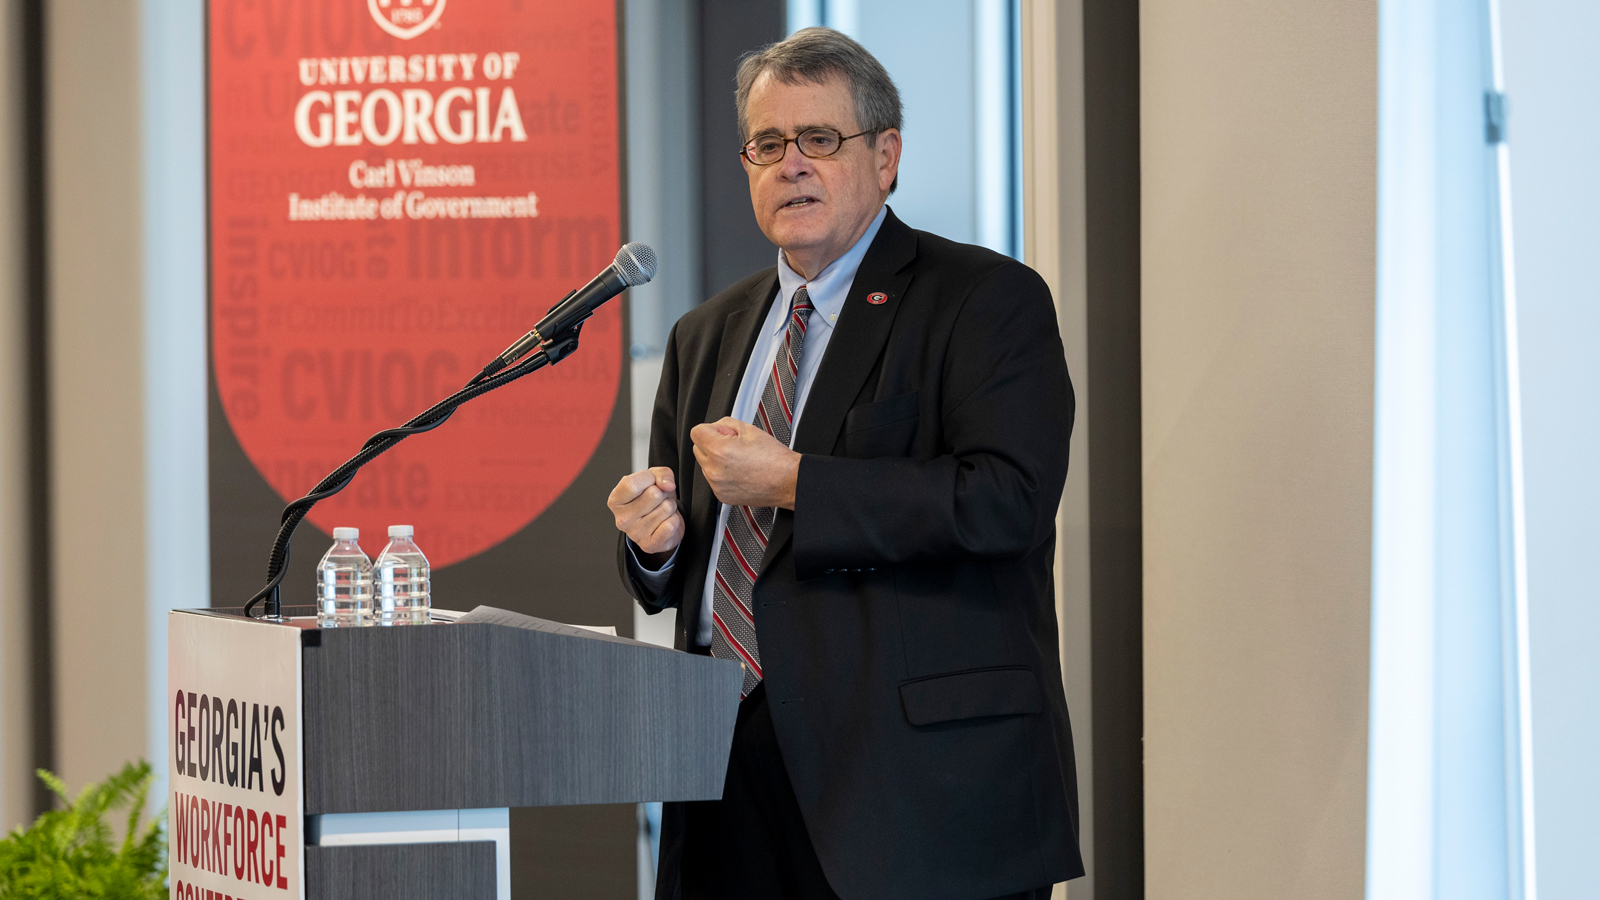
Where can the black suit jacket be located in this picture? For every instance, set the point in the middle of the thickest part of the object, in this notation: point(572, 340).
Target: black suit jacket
point(905, 609)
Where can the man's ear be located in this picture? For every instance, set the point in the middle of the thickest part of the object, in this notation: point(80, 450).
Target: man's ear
point(888, 155)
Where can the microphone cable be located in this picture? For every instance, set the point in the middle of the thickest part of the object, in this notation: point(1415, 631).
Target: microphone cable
point(635, 264)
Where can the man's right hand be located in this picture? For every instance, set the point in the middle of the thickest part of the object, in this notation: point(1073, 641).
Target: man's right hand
point(646, 510)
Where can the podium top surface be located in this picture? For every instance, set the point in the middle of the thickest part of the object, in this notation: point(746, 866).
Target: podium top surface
point(304, 618)
point(493, 708)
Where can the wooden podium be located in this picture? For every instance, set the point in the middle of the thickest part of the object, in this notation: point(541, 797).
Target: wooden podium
point(383, 761)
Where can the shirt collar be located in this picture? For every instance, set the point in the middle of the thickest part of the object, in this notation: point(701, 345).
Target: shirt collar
point(832, 285)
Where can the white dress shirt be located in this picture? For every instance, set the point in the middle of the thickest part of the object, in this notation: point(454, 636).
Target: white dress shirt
point(827, 292)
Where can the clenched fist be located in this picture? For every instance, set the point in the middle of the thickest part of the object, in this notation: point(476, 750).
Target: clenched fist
point(646, 509)
point(744, 465)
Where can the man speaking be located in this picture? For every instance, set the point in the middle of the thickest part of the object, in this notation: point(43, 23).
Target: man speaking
point(856, 459)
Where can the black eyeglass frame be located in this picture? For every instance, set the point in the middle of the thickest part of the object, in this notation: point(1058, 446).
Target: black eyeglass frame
point(745, 150)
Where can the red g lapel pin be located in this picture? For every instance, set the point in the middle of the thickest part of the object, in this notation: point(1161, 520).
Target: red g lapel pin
point(878, 298)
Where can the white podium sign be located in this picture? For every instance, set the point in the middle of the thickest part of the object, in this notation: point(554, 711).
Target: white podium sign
point(235, 802)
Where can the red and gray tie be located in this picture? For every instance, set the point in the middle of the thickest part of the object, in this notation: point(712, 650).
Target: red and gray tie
point(744, 539)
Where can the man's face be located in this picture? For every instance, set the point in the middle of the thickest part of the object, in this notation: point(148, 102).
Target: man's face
point(815, 209)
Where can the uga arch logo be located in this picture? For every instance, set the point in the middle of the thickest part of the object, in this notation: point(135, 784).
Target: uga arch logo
point(405, 19)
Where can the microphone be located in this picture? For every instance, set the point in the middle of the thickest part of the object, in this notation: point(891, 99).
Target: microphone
point(635, 265)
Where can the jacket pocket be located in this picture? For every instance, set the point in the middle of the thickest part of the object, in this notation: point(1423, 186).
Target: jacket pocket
point(1010, 691)
point(884, 428)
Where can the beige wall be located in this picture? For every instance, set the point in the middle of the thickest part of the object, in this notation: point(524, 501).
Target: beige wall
point(16, 746)
point(96, 370)
point(1259, 166)
point(95, 405)
point(1052, 100)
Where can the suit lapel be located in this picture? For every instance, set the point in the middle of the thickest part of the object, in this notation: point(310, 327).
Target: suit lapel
point(859, 336)
point(857, 341)
point(739, 333)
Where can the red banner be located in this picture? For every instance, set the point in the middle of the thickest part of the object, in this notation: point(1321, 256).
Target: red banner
point(400, 188)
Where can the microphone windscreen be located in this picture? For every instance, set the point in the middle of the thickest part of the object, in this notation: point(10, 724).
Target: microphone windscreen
point(637, 263)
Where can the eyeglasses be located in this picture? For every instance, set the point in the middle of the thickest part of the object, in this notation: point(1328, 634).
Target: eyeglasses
point(814, 143)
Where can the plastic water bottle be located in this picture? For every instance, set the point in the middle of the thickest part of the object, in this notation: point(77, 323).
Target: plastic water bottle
point(402, 581)
point(344, 582)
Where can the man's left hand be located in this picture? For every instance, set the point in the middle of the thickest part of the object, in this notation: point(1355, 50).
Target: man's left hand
point(744, 465)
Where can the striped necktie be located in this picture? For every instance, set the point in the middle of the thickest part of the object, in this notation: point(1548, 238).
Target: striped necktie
point(744, 538)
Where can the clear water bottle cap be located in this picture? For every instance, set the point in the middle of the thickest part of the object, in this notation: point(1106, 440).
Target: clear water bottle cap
point(399, 531)
point(346, 534)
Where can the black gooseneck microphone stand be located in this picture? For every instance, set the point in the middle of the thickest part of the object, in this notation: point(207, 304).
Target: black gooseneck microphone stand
point(552, 350)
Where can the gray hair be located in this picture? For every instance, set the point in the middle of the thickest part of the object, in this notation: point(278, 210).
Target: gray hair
point(812, 56)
